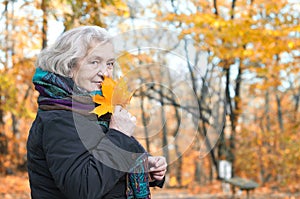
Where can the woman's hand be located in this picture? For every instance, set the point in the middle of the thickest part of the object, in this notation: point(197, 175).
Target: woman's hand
point(122, 121)
point(157, 167)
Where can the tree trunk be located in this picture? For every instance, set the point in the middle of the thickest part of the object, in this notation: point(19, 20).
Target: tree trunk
point(44, 8)
point(16, 135)
point(232, 9)
point(175, 133)
point(144, 120)
point(202, 125)
point(3, 137)
point(267, 111)
point(216, 8)
point(198, 173)
point(234, 109)
point(279, 113)
point(164, 126)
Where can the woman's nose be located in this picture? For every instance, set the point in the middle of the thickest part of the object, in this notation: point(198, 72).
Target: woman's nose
point(103, 72)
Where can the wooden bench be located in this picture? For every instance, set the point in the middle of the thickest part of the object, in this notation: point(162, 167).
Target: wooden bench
point(242, 183)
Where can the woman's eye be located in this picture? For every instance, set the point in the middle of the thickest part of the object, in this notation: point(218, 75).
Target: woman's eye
point(110, 64)
point(95, 62)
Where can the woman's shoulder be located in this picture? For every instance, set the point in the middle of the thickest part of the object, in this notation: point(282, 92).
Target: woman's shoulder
point(65, 118)
point(63, 114)
point(46, 119)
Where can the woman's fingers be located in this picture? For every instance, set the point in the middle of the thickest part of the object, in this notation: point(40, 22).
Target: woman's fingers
point(133, 119)
point(122, 121)
point(157, 175)
point(157, 163)
point(118, 108)
point(158, 167)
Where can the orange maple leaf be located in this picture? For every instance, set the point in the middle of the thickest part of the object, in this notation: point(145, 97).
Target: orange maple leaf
point(113, 93)
point(121, 95)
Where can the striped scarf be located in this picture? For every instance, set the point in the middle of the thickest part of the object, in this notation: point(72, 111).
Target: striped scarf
point(61, 93)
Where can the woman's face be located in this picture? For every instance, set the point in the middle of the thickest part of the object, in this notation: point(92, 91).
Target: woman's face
point(90, 70)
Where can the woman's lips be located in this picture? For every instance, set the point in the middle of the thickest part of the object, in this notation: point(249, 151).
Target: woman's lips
point(99, 84)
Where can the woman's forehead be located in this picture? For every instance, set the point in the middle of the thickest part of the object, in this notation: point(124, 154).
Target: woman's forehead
point(101, 50)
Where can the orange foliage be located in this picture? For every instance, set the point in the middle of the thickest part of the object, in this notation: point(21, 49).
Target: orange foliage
point(14, 186)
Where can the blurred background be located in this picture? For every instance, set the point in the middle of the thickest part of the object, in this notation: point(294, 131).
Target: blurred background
point(216, 86)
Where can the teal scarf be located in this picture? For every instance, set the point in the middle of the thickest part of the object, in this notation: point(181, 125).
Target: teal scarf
point(60, 93)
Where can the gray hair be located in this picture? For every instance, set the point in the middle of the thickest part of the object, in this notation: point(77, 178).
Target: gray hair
point(70, 47)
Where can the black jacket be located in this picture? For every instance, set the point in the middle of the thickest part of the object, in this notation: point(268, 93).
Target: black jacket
point(64, 162)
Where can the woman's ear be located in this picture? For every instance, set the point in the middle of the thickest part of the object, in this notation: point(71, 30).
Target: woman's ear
point(71, 73)
point(72, 66)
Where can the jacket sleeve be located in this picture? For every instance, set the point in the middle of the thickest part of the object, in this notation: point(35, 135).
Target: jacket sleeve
point(157, 183)
point(83, 160)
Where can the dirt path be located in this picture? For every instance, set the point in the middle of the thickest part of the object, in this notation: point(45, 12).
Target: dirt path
point(176, 194)
point(17, 187)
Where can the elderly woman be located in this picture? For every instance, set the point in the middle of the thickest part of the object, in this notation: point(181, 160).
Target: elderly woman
point(71, 152)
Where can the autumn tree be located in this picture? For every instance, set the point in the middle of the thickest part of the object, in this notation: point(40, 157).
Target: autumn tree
point(243, 39)
point(21, 36)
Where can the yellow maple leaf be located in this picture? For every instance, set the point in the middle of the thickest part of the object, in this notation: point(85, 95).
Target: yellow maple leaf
point(121, 95)
point(113, 93)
